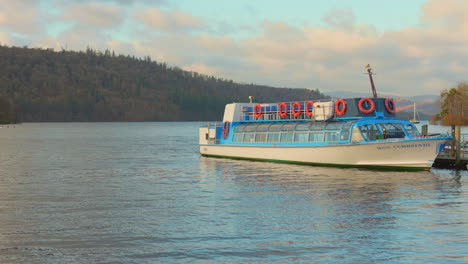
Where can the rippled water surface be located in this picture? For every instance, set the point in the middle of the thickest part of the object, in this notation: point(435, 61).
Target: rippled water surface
point(140, 193)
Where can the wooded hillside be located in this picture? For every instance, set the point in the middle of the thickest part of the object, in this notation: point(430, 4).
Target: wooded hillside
point(45, 85)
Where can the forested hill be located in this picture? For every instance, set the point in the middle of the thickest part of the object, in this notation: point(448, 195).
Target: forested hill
point(45, 85)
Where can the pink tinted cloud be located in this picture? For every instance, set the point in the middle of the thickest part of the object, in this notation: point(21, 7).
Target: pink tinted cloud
point(168, 21)
point(90, 14)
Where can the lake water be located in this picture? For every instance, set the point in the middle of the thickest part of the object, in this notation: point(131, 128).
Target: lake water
point(140, 193)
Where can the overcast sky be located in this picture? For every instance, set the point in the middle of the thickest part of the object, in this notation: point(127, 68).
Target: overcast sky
point(416, 47)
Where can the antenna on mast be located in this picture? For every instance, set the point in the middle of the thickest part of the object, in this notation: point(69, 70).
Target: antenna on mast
point(369, 70)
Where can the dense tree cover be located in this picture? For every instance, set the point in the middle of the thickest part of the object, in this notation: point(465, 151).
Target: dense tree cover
point(45, 85)
point(454, 106)
point(7, 111)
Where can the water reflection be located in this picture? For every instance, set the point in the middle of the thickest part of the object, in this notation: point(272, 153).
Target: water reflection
point(354, 209)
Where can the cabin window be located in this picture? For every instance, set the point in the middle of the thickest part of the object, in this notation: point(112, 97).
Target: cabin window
point(392, 130)
point(334, 125)
point(302, 127)
point(412, 130)
point(286, 137)
point(316, 137)
point(261, 137)
point(288, 127)
point(250, 128)
point(369, 132)
point(275, 127)
point(262, 127)
point(249, 137)
point(331, 136)
point(301, 137)
point(317, 126)
point(345, 131)
point(344, 135)
point(239, 129)
point(273, 137)
point(237, 137)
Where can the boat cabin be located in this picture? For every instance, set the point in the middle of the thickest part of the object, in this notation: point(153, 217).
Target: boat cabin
point(310, 123)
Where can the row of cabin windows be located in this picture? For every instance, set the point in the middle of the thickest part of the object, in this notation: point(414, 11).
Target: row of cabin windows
point(293, 132)
point(322, 136)
point(278, 127)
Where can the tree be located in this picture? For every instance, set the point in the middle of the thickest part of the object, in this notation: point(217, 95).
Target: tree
point(454, 111)
point(454, 106)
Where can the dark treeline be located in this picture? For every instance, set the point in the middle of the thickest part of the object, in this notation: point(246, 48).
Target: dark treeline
point(45, 85)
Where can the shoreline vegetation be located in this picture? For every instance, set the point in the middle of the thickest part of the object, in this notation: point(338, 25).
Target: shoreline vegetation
point(43, 85)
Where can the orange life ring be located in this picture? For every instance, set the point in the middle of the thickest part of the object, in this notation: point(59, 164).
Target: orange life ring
point(337, 107)
point(309, 113)
point(258, 111)
point(390, 106)
point(226, 129)
point(281, 107)
point(361, 107)
point(298, 106)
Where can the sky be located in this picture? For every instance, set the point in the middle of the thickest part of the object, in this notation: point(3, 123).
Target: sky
point(415, 47)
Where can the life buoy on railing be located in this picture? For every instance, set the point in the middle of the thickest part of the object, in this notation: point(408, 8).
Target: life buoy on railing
point(311, 105)
point(226, 129)
point(283, 109)
point(390, 106)
point(295, 112)
point(371, 105)
point(340, 107)
point(258, 111)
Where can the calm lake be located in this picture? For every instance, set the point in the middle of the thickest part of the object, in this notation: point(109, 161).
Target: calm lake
point(140, 193)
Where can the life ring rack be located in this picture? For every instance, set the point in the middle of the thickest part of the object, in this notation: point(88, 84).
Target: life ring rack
point(364, 110)
point(226, 127)
point(258, 111)
point(390, 106)
point(338, 109)
point(309, 103)
point(293, 110)
point(283, 106)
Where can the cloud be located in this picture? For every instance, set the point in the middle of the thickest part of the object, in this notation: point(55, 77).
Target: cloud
point(21, 16)
point(203, 69)
point(168, 21)
point(446, 13)
point(92, 14)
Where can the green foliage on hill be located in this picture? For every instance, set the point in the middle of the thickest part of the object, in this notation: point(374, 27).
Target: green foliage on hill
point(7, 111)
point(45, 85)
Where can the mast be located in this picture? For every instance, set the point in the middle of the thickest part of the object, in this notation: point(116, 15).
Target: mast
point(414, 110)
point(369, 71)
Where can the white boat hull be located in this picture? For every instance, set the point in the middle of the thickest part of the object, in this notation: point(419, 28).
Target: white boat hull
point(414, 154)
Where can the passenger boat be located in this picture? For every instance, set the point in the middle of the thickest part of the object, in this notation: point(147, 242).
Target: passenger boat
point(353, 132)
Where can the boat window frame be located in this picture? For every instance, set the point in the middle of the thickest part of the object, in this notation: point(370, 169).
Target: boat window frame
point(262, 127)
point(411, 133)
point(277, 134)
point(366, 135)
point(286, 133)
point(250, 128)
point(304, 134)
point(388, 133)
point(336, 133)
point(316, 132)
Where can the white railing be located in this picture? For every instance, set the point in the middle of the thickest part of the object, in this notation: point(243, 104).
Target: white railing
point(277, 111)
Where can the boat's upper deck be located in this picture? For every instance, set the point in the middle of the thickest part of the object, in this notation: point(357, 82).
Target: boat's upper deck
point(353, 108)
